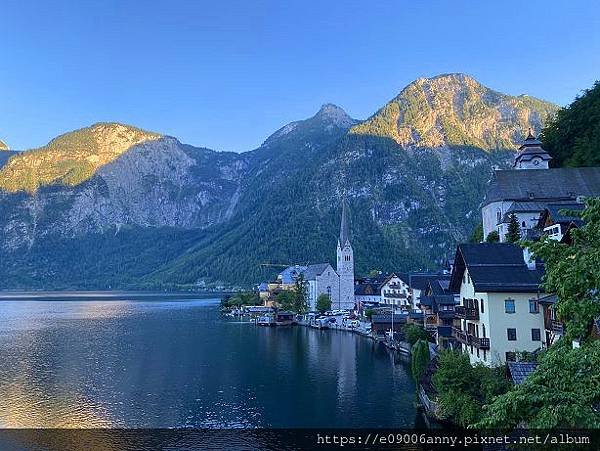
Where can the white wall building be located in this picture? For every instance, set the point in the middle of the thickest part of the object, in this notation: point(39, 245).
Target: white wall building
point(395, 292)
point(499, 312)
point(530, 186)
point(321, 279)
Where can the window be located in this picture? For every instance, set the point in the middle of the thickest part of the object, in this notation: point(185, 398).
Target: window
point(483, 330)
point(468, 278)
point(535, 335)
point(534, 306)
point(484, 355)
point(511, 356)
point(509, 306)
point(498, 216)
point(524, 225)
point(511, 333)
point(481, 305)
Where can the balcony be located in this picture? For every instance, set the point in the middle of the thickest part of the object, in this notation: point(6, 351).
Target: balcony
point(446, 314)
point(460, 335)
point(480, 343)
point(467, 312)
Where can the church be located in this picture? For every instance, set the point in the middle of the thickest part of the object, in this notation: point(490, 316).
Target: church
point(530, 187)
point(322, 278)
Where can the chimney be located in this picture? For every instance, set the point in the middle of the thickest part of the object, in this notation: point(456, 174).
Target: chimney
point(529, 258)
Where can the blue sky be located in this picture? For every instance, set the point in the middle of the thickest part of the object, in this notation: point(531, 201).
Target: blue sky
point(226, 74)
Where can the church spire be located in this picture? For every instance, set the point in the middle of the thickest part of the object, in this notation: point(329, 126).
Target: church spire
point(344, 224)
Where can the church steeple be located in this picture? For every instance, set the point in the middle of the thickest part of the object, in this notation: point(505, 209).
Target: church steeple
point(531, 154)
point(344, 225)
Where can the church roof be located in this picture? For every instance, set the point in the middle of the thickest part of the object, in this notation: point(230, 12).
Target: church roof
point(344, 224)
point(543, 185)
point(312, 271)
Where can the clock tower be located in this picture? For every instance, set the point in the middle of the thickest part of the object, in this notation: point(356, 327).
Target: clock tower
point(345, 263)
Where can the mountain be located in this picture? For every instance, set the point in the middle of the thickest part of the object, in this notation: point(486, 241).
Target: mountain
point(134, 209)
point(3, 146)
point(456, 110)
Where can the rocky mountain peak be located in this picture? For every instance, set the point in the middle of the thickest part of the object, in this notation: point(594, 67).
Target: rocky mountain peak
point(456, 110)
point(336, 115)
point(3, 146)
point(71, 158)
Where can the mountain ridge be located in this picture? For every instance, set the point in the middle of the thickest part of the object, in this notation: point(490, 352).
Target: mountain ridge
point(167, 215)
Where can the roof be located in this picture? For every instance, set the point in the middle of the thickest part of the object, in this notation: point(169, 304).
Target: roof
point(289, 274)
point(519, 371)
point(344, 224)
point(312, 271)
point(384, 319)
point(531, 148)
point(551, 299)
point(419, 281)
point(495, 267)
point(559, 213)
point(366, 289)
point(263, 286)
point(546, 184)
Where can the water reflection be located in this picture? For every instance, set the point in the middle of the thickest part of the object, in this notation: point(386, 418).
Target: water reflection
point(178, 364)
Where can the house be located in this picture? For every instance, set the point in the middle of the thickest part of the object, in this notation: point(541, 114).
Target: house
point(528, 188)
point(557, 220)
point(499, 290)
point(367, 292)
point(553, 328)
point(380, 324)
point(395, 292)
point(321, 279)
point(419, 281)
point(437, 304)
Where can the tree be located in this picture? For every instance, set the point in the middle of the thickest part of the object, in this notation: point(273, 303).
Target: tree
point(323, 303)
point(420, 359)
point(301, 295)
point(369, 312)
point(414, 332)
point(563, 392)
point(464, 389)
point(573, 272)
point(477, 235)
point(514, 230)
point(286, 299)
point(493, 237)
point(572, 137)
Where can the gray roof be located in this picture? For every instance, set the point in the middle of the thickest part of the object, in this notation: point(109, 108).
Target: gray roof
point(344, 224)
point(496, 268)
point(543, 184)
point(312, 271)
point(384, 319)
point(519, 371)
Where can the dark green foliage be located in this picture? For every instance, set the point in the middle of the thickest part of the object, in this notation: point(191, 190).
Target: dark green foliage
point(573, 136)
point(369, 312)
point(286, 300)
point(294, 300)
point(493, 237)
point(563, 392)
point(414, 332)
point(464, 389)
point(323, 303)
point(240, 299)
point(573, 273)
point(477, 235)
point(420, 359)
point(514, 230)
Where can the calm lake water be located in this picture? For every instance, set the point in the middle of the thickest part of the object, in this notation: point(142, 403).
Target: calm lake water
point(120, 363)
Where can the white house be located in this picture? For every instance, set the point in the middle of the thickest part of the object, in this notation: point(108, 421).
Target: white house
point(396, 292)
point(499, 312)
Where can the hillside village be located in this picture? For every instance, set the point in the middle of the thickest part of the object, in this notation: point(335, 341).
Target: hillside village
point(488, 302)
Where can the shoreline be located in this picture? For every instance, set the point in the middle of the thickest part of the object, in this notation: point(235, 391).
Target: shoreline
point(107, 295)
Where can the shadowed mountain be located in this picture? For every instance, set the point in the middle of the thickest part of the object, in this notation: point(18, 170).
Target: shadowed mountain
point(161, 214)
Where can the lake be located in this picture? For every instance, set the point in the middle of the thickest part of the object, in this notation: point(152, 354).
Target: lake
point(164, 363)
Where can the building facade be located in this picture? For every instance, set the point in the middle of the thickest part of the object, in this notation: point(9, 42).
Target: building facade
point(499, 315)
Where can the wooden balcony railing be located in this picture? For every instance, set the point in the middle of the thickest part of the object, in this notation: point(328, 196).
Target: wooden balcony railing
point(466, 312)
